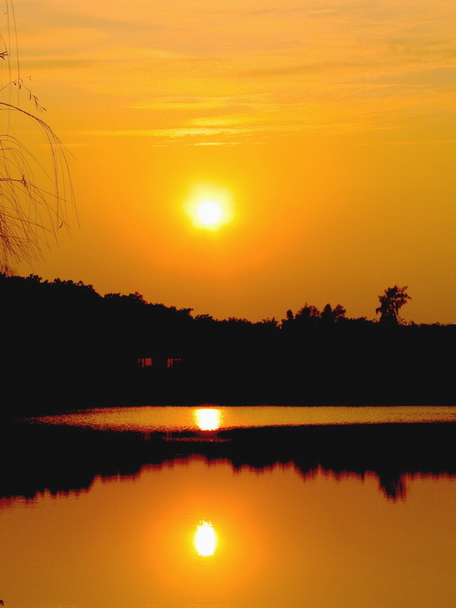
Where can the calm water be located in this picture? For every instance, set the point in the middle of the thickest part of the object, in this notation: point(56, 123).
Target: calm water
point(147, 419)
point(301, 515)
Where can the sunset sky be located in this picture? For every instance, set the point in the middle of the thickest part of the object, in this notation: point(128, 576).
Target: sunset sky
point(326, 126)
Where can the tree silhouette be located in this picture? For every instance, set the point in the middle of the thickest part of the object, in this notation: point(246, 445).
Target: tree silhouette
point(331, 315)
point(390, 303)
point(32, 191)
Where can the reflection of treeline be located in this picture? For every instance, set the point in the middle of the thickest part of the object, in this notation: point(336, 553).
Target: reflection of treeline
point(65, 459)
point(64, 345)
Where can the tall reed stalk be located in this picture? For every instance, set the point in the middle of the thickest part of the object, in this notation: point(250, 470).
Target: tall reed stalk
point(35, 187)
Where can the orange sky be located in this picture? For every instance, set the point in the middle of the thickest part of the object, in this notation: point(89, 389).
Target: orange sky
point(331, 124)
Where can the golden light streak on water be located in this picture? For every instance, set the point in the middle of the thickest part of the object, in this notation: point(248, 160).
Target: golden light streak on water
point(173, 418)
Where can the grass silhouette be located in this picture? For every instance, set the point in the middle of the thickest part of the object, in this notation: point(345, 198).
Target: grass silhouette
point(33, 191)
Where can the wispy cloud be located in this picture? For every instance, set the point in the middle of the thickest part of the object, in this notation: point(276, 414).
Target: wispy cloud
point(258, 68)
point(196, 103)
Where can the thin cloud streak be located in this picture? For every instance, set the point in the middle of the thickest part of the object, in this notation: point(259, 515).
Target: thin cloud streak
point(339, 55)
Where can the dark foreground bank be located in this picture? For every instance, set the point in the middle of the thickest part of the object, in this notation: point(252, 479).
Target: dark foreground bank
point(38, 458)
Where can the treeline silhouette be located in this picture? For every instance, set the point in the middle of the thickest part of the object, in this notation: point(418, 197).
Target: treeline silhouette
point(61, 460)
point(64, 345)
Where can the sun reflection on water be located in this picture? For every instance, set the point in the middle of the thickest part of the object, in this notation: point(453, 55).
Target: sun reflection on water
point(208, 419)
point(205, 539)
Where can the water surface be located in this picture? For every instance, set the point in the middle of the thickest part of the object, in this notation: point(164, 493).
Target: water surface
point(318, 507)
point(149, 419)
point(282, 541)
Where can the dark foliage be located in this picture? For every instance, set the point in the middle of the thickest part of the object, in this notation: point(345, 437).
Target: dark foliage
point(64, 346)
point(391, 302)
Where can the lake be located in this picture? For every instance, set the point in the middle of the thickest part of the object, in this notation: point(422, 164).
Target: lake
point(220, 507)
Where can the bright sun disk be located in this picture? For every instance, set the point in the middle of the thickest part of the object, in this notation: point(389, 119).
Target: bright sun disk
point(209, 207)
point(209, 213)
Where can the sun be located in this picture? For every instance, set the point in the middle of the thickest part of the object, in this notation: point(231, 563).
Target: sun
point(209, 207)
point(209, 213)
